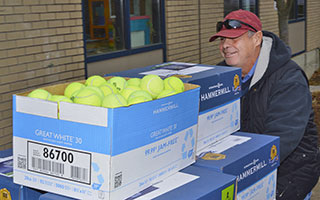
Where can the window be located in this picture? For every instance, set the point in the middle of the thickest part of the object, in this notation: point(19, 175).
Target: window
point(119, 27)
point(297, 11)
point(231, 5)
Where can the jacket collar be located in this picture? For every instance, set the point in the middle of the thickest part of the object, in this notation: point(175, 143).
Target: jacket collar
point(263, 60)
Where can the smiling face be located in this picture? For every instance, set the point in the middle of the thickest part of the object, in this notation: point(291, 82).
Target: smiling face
point(241, 51)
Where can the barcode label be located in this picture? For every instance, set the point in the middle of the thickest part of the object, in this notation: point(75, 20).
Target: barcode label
point(118, 180)
point(57, 168)
point(59, 162)
point(47, 166)
point(40, 164)
point(79, 173)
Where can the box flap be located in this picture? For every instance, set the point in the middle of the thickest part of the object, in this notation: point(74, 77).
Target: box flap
point(84, 114)
point(36, 106)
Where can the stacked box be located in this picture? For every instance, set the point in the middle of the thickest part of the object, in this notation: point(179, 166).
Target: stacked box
point(93, 152)
point(253, 158)
point(206, 185)
point(9, 190)
point(51, 196)
point(188, 184)
point(220, 94)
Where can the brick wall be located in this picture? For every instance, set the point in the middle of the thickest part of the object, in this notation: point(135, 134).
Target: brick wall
point(182, 30)
point(313, 24)
point(41, 43)
point(268, 16)
point(211, 11)
point(189, 25)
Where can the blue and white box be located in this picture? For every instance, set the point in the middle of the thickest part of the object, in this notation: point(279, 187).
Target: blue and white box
point(253, 158)
point(93, 152)
point(8, 189)
point(192, 183)
point(220, 93)
point(188, 184)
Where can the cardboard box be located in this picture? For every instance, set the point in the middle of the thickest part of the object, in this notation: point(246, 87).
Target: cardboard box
point(219, 95)
point(202, 184)
point(264, 189)
point(250, 157)
point(217, 123)
point(51, 196)
point(8, 189)
point(188, 184)
point(99, 153)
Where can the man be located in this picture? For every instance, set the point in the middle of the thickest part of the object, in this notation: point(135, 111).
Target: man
point(276, 99)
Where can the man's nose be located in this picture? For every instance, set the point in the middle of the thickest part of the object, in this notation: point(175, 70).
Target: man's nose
point(226, 42)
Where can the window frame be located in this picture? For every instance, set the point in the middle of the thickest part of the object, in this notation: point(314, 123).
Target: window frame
point(240, 7)
point(296, 18)
point(291, 21)
point(127, 39)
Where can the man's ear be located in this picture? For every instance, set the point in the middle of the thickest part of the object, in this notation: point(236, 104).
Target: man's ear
point(257, 37)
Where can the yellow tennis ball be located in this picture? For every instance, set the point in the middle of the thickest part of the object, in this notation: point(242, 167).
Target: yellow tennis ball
point(128, 90)
point(97, 89)
point(134, 81)
point(173, 83)
point(58, 98)
point(72, 88)
point(40, 94)
point(87, 96)
point(114, 101)
point(166, 93)
point(119, 82)
point(139, 93)
point(95, 80)
point(152, 84)
point(108, 88)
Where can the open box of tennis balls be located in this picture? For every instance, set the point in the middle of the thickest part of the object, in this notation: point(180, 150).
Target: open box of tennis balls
point(89, 152)
point(219, 114)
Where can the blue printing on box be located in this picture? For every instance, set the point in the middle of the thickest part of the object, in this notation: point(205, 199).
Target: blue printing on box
point(258, 150)
point(207, 187)
point(17, 192)
point(129, 121)
point(234, 122)
point(223, 78)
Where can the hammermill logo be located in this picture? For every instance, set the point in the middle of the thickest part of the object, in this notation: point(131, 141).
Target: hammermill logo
point(5, 194)
point(273, 154)
point(236, 83)
point(215, 91)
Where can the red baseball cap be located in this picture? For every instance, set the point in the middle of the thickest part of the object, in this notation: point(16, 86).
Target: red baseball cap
point(243, 16)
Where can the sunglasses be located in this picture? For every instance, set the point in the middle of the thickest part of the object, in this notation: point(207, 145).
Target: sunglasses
point(232, 24)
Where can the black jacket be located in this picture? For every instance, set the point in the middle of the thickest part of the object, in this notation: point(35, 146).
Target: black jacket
point(279, 103)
